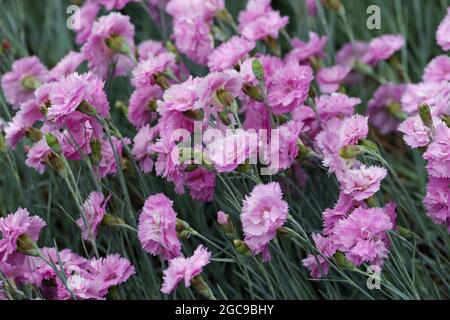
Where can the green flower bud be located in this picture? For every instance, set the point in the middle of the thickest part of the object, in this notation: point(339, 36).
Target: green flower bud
point(242, 247)
point(425, 115)
point(253, 92)
point(27, 246)
point(86, 108)
point(258, 69)
point(112, 221)
point(118, 45)
point(96, 151)
point(53, 142)
point(30, 83)
point(350, 152)
point(342, 261)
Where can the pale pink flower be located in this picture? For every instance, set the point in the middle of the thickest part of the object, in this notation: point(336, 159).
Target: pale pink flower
point(113, 27)
point(351, 53)
point(180, 97)
point(363, 182)
point(230, 53)
point(94, 209)
point(432, 93)
point(362, 236)
point(15, 225)
point(69, 92)
point(329, 79)
point(288, 149)
point(438, 69)
point(157, 227)
point(263, 212)
point(344, 205)
point(259, 20)
point(246, 72)
point(382, 48)
point(438, 152)
point(385, 97)
point(317, 264)
point(26, 75)
point(82, 287)
point(141, 150)
point(416, 134)
point(229, 81)
point(335, 105)
point(67, 65)
point(145, 73)
point(37, 156)
point(289, 87)
point(437, 201)
point(353, 129)
point(141, 111)
point(87, 15)
point(222, 218)
point(257, 115)
point(202, 9)
point(185, 269)
point(108, 164)
point(111, 271)
point(303, 51)
point(193, 38)
point(443, 32)
point(201, 184)
point(150, 48)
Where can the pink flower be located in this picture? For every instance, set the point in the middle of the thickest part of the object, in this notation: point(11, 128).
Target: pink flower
point(150, 48)
point(329, 79)
point(67, 65)
point(362, 236)
point(193, 38)
point(416, 134)
point(317, 265)
point(180, 97)
point(69, 92)
point(382, 48)
point(111, 42)
point(335, 105)
point(201, 9)
point(289, 87)
point(263, 212)
point(94, 209)
point(24, 119)
point(230, 53)
point(115, 4)
point(363, 182)
point(229, 81)
point(259, 21)
point(257, 115)
point(222, 218)
point(201, 184)
point(437, 200)
point(157, 227)
point(82, 287)
point(111, 271)
point(246, 72)
point(438, 153)
point(143, 104)
point(227, 152)
point(385, 98)
point(311, 7)
point(146, 72)
point(288, 150)
point(185, 269)
point(353, 129)
point(108, 164)
point(87, 15)
point(303, 51)
point(351, 53)
point(344, 205)
point(443, 32)
point(437, 69)
point(15, 225)
point(26, 75)
point(141, 152)
point(432, 93)
point(37, 156)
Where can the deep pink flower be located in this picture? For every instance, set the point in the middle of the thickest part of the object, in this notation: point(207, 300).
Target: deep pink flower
point(288, 149)
point(438, 152)
point(115, 4)
point(37, 156)
point(443, 32)
point(146, 72)
point(259, 20)
point(113, 28)
point(141, 152)
point(257, 115)
point(87, 15)
point(201, 184)
point(143, 104)
point(386, 99)
point(303, 51)
point(382, 48)
point(15, 225)
point(329, 79)
point(230, 53)
point(67, 65)
point(344, 205)
point(185, 269)
point(289, 87)
point(437, 69)
point(437, 201)
point(25, 76)
point(222, 218)
point(363, 182)
point(157, 227)
point(150, 48)
point(94, 209)
point(362, 235)
point(108, 164)
point(317, 264)
point(69, 92)
point(263, 212)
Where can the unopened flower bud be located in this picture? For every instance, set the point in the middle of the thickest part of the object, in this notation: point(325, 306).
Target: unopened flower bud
point(370, 145)
point(118, 45)
point(57, 164)
point(253, 92)
point(199, 284)
point(162, 81)
point(34, 134)
point(27, 246)
point(96, 151)
point(342, 261)
point(53, 142)
point(194, 114)
point(258, 69)
point(242, 247)
point(350, 151)
point(3, 147)
point(224, 98)
point(112, 221)
point(173, 49)
point(30, 83)
point(86, 108)
point(181, 226)
point(425, 115)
